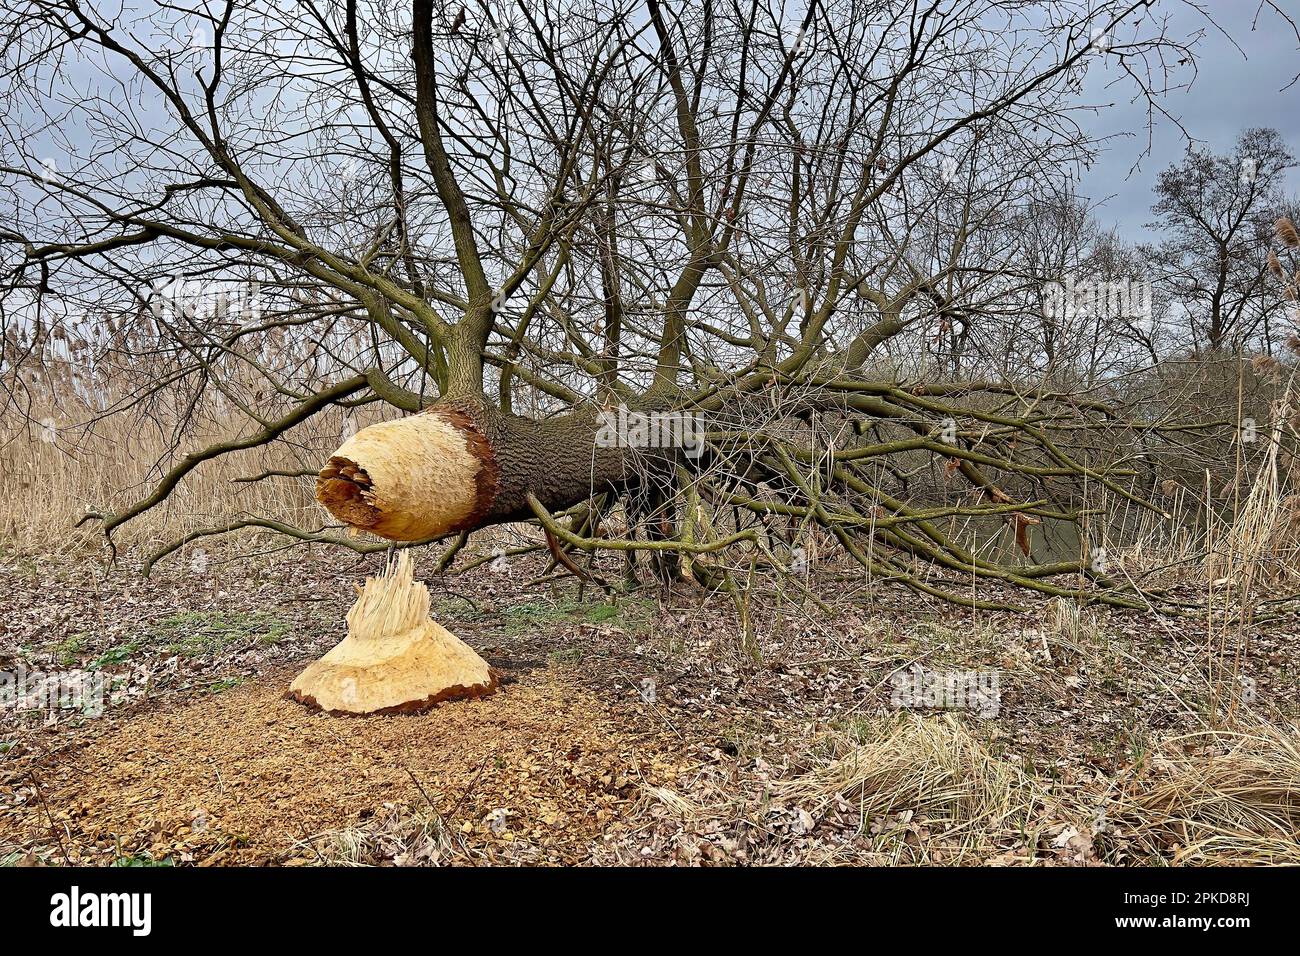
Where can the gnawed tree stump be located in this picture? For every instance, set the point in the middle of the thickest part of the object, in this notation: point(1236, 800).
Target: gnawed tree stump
point(395, 657)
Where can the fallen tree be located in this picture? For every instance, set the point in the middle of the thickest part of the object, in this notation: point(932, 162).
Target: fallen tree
point(507, 226)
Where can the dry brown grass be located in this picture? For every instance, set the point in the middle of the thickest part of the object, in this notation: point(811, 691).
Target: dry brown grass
point(1237, 546)
point(394, 836)
point(1215, 798)
point(1218, 798)
point(976, 804)
point(1260, 545)
point(55, 467)
point(1072, 625)
point(919, 790)
point(928, 791)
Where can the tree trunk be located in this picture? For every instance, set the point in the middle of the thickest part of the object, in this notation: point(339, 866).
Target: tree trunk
point(462, 465)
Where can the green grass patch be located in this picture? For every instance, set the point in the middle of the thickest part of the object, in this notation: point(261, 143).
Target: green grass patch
point(565, 656)
point(68, 651)
point(196, 633)
point(117, 655)
point(193, 633)
point(602, 612)
point(141, 859)
point(631, 615)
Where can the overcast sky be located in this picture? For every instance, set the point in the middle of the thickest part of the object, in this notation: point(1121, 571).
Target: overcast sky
point(1231, 92)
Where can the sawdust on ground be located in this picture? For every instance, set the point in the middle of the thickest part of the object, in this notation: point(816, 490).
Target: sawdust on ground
point(249, 777)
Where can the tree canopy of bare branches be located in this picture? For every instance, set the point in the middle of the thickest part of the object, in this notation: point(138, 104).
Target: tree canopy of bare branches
point(823, 231)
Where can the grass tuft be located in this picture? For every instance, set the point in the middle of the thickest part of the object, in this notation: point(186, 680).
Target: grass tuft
point(1218, 798)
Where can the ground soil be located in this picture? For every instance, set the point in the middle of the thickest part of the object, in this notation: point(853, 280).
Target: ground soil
point(646, 730)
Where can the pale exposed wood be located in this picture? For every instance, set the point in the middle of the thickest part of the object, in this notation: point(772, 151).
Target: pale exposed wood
point(395, 657)
point(405, 479)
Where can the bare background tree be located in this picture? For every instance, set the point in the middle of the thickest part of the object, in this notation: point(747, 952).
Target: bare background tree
point(1218, 212)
